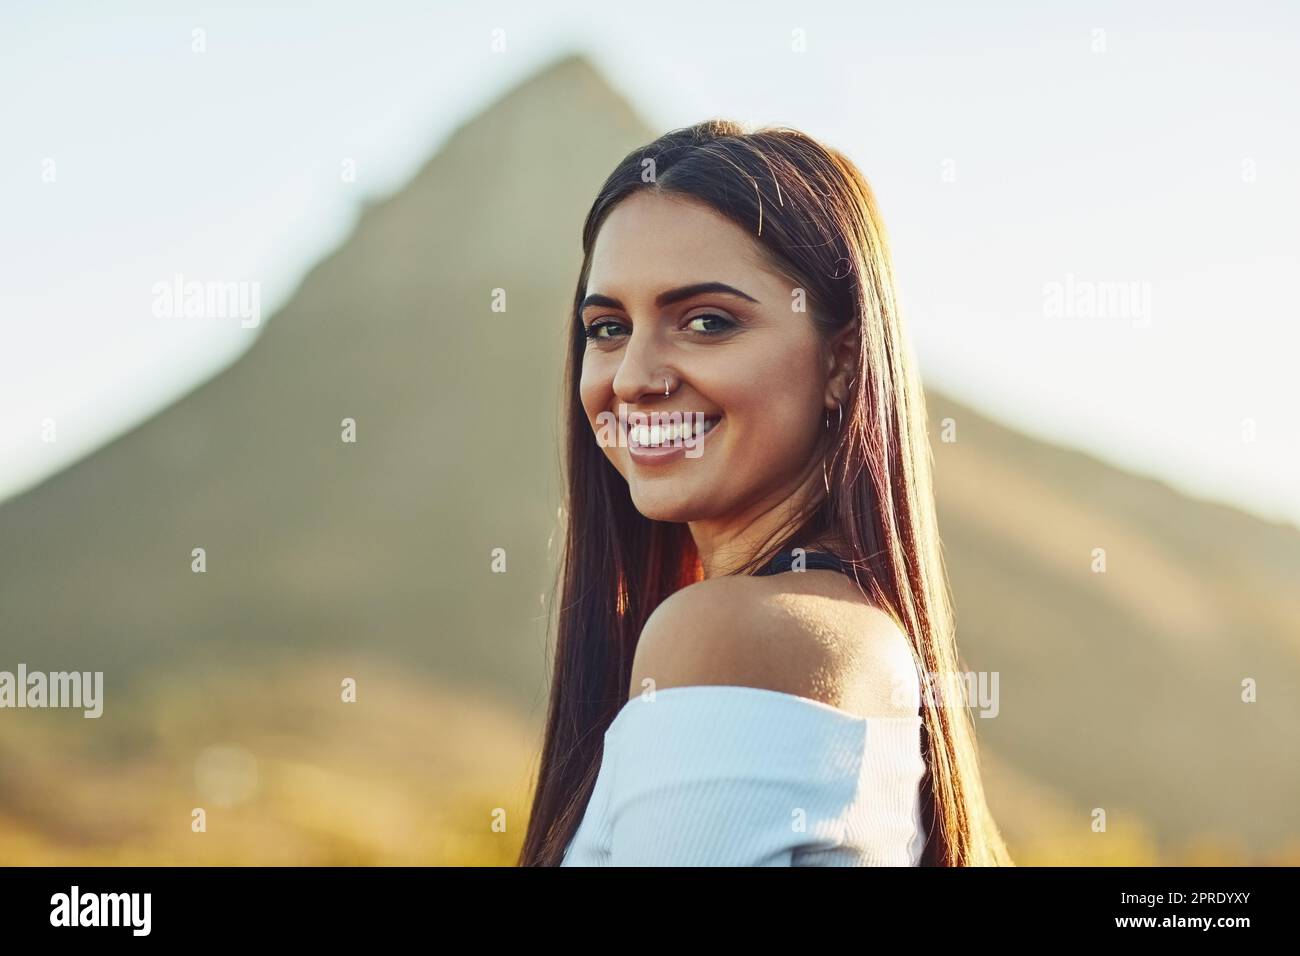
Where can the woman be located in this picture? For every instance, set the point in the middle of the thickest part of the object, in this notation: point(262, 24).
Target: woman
point(752, 585)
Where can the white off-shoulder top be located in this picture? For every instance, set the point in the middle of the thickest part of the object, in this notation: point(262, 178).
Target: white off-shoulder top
point(723, 775)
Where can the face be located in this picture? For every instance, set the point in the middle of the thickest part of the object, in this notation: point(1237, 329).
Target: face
point(744, 362)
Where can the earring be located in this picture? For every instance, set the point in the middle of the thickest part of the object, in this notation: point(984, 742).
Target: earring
point(825, 477)
point(665, 388)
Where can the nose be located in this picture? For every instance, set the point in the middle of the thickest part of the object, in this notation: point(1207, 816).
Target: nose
point(642, 372)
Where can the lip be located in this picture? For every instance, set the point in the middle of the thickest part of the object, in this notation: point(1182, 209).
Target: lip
point(646, 455)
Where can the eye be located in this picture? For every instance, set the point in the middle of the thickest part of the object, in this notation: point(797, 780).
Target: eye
point(726, 324)
point(593, 331)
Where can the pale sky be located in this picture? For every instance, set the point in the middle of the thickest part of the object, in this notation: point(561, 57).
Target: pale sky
point(1014, 151)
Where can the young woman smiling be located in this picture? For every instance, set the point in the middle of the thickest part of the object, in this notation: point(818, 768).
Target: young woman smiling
point(743, 631)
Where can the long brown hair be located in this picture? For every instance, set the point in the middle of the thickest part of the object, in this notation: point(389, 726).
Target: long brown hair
point(815, 218)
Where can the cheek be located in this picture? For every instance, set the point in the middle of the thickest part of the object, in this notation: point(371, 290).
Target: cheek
point(774, 385)
point(775, 435)
point(774, 416)
point(594, 390)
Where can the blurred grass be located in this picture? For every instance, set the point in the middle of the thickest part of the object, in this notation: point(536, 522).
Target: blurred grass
point(412, 773)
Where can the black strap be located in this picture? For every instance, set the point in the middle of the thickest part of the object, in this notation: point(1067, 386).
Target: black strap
point(784, 561)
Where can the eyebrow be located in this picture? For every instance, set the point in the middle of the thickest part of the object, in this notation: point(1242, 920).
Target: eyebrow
point(672, 295)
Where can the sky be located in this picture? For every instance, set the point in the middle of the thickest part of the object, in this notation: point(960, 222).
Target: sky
point(1092, 212)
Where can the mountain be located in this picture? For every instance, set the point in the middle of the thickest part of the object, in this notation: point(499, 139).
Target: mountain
point(1123, 688)
point(371, 559)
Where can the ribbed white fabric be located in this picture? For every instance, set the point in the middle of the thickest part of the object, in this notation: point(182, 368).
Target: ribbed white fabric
point(722, 775)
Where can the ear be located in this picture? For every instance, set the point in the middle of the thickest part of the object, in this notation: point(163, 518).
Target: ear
point(841, 366)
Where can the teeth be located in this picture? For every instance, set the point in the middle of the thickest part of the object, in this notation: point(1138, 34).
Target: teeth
point(653, 435)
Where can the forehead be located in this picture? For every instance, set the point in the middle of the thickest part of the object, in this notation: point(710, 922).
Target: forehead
point(652, 240)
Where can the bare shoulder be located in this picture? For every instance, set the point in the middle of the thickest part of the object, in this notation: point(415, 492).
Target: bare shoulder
point(812, 634)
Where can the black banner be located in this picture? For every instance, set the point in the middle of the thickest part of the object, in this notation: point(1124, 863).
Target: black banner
point(367, 904)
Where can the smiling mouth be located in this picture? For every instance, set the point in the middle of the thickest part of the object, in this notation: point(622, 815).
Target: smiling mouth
point(672, 434)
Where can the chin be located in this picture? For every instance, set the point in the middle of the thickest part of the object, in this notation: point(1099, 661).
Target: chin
point(668, 502)
point(656, 508)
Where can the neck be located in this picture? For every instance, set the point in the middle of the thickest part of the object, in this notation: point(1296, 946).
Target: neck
point(727, 544)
